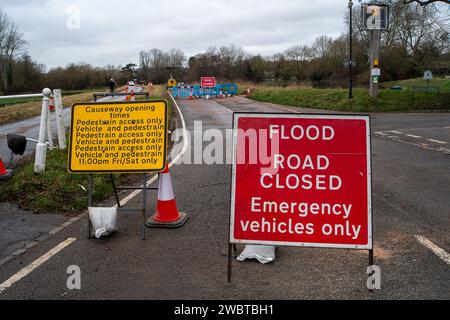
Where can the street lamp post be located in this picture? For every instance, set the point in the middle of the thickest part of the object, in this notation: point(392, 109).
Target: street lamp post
point(350, 62)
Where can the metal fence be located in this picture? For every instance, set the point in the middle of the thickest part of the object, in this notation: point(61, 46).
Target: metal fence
point(198, 92)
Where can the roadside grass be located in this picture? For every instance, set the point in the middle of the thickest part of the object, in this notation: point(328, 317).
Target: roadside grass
point(442, 83)
point(243, 86)
point(72, 92)
point(157, 91)
point(13, 101)
point(25, 110)
point(56, 190)
point(337, 99)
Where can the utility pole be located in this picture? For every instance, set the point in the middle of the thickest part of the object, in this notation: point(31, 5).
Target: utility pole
point(375, 20)
point(350, 61)
point(374, 63)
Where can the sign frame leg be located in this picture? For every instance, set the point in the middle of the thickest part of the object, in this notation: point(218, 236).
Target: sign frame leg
point(371, 251)
point(115, 191)
point(90, 191)
point(144, 205)
point(371, 263)
point(230, 262)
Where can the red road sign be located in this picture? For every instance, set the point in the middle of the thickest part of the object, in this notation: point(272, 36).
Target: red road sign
point(302, 180)
point(208, 82)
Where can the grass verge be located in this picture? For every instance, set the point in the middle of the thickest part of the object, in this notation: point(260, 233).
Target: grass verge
point(55, 190)
point(25, 110)
point(337, 99)
point(441, 83)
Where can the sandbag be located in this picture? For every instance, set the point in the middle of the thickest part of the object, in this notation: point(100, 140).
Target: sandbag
point(104, 221)
point(264, 254)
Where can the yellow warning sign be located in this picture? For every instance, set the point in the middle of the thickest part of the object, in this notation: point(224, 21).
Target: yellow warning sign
point(171, 83)
point(118, 137)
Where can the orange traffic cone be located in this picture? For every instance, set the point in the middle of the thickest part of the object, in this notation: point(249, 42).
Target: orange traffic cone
point(167, 214)
point(133, 96)
point(191, 97)
point(5, 174)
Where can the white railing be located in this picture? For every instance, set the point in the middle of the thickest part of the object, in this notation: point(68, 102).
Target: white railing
point(33, 95)
point(45, 133)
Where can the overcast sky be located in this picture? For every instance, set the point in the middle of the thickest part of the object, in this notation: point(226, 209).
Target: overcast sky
point(114, 32)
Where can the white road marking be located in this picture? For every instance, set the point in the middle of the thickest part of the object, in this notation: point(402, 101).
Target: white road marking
point(134, 194)
point(417, 144)
point(222, 106)
point(268, 103)
point(437, 141)
point(445, 150)
point(441, 253)
point(35, 264)
point(428, 128)
point(396, 132)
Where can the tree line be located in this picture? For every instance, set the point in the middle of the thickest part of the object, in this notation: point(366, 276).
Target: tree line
point(418, 39)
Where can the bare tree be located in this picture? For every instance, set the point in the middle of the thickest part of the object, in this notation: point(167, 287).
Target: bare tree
point(11, 42)
point(154, 64)
point(424, 3)
point(321, 45)
point(176, 58)
point(298, 56)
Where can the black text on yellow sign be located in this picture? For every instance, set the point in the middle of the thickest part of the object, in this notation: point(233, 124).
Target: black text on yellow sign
point(118, 137)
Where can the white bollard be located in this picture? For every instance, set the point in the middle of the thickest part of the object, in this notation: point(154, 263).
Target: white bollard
point(41, 148)
point(59, 109)
point(51, 144)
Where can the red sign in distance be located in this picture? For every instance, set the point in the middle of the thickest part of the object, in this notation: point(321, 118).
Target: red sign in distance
point(208, 82)
point(302, 180)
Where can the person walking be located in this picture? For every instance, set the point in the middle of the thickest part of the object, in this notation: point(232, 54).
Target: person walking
point(111, 85)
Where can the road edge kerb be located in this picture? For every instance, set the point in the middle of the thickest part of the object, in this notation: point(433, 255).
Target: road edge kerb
point(46, 236)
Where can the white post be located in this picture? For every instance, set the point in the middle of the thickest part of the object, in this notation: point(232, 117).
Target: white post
point(41, 148)
point(49, 129)
point(60, 119)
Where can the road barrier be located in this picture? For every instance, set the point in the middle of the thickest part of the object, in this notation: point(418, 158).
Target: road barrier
point(34, 95)
point(120, 94)
point(219, 90)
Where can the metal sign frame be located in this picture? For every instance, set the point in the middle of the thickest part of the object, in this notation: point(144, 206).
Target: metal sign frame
point(232, 242)
point(166, 138)
point(142, 210)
